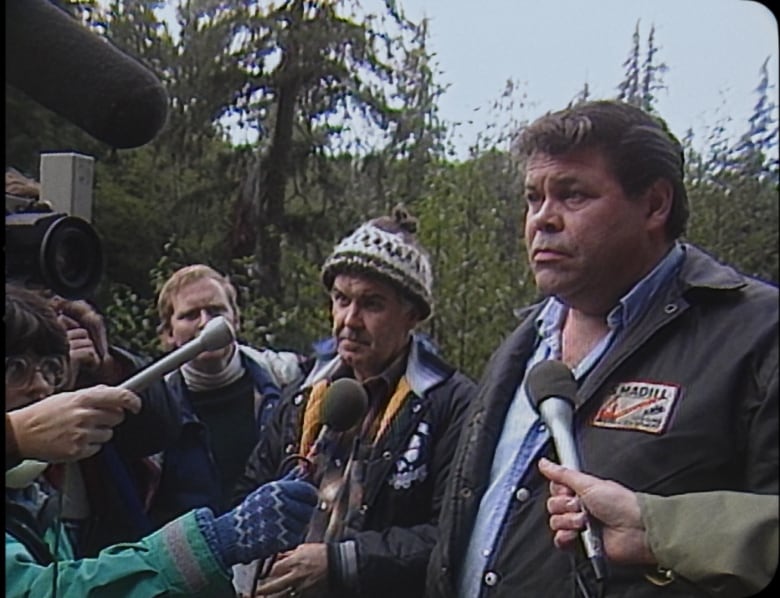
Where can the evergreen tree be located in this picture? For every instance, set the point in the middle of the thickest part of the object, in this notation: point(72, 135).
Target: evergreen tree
point(643, 78)
point(756, 152)
point(628, 89)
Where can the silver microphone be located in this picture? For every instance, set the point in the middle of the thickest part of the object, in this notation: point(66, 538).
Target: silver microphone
point(552, 388)
point(217, 333)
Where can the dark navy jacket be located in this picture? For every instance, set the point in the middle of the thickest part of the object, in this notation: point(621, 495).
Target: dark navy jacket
point(189, 476)
point(710, 336)
point(386, 552)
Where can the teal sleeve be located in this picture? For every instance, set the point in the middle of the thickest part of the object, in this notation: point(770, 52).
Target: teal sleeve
point(173, 561)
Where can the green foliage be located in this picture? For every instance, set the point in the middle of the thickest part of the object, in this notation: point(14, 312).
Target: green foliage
point(470, 224)
point(735, 219)
point(133, 318)
point(131, 321)
point(302, 317)
point(643, 78)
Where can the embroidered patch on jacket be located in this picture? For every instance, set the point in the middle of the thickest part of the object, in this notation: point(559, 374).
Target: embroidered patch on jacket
point(412, 467)
point(644, 406)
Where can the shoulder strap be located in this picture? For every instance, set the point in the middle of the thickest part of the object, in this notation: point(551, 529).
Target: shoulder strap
point(20, 523)
point(311, 415)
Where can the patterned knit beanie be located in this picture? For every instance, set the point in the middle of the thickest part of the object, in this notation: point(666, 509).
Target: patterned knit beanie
point(386, 247)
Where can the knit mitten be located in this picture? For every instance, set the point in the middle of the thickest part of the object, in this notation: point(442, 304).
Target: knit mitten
point(271, 519)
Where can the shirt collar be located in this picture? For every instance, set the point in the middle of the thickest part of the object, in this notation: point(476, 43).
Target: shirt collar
point(629, 307)
point(379, 387)
point(633, 303)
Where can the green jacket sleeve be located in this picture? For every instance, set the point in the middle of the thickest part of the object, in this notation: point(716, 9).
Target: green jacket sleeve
point(173, 561)
point(724, 542)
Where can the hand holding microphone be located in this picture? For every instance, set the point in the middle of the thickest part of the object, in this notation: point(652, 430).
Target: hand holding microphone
point(344, 405)
point(615, 506)
point(552, 388)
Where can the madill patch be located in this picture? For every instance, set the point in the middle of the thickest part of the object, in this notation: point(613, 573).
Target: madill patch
point(644, 406)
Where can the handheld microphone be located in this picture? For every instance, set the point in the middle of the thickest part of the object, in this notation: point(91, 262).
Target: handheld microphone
point(343, 406)
point(74, 72)
point(552, 388)
point(216, 334)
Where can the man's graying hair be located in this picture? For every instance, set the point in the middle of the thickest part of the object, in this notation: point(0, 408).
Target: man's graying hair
point(638, 146)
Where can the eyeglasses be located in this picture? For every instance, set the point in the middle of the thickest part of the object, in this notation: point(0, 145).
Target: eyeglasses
point(20, 370)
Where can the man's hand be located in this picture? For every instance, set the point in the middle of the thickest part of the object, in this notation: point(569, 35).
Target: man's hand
point(302, 571)
point(70, 426)
point(87, 339)
point(615, 506)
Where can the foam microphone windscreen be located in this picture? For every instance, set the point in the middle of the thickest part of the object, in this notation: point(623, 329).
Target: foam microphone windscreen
point(67, 68)
point(344, 405)
point(548, 379)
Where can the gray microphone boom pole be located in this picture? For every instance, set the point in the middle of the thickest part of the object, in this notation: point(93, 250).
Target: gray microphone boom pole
point(216, 334)
point(552, 388)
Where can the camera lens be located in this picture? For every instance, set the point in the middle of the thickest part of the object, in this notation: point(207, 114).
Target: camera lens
point(71, 257)
point(60, 252)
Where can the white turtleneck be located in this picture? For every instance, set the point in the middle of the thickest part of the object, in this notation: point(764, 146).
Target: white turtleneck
point(199, 381)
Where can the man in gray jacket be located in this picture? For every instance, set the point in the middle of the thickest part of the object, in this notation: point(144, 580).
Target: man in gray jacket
point(674, 357)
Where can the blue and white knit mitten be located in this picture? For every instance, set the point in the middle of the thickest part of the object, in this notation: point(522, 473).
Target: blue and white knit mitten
point(271, 519)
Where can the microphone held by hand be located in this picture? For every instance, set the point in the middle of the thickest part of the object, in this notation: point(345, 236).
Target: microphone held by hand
point(344, 405)
point(552, 388)
point(216, 334)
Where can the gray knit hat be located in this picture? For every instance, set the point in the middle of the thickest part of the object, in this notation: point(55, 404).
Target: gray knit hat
point(394, 256)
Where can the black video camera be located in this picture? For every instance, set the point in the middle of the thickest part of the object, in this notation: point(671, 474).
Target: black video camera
point(51, 249)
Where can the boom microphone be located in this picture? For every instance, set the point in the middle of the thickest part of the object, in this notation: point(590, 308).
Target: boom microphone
point(216, 334)
point(74, 72)
point(552, 388)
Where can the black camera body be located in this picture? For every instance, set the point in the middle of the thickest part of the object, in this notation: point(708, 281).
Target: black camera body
point(55, 249)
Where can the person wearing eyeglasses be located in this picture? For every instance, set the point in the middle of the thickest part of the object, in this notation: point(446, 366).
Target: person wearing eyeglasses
point(191, 556)
point(67, 426)
point(108, 491)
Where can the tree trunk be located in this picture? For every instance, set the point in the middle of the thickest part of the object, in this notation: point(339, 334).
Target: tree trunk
point(271, 212)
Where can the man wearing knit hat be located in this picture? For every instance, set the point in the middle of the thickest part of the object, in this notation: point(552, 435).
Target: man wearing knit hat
point(381, 481)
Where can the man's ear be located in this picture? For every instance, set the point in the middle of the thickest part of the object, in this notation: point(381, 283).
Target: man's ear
point(659, 197)
point(166, 339)
point(414, 313)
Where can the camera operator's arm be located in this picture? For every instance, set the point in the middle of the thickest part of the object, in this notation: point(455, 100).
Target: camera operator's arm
point(67, 426)
point(21, 186)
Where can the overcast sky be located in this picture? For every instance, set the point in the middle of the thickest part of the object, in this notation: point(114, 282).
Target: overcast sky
point(714, 50)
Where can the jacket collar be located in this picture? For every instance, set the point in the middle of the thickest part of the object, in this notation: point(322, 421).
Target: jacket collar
point(424, 370)
point(702, 270)
point(699, 270)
